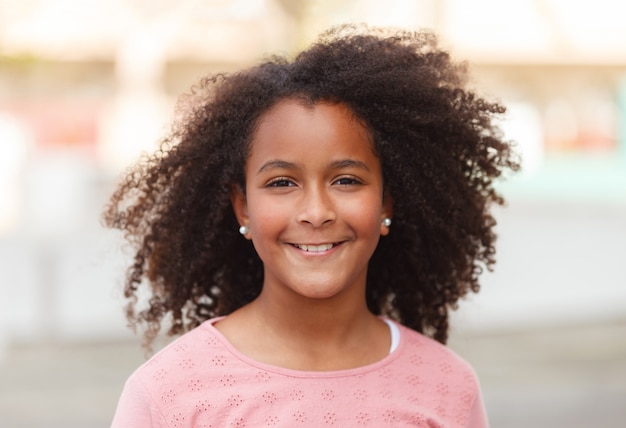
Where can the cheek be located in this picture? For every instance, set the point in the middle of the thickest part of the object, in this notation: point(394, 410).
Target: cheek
point(366, 215)
point(266, 218)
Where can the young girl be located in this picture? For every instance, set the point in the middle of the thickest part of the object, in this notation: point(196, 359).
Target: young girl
point(297, 214)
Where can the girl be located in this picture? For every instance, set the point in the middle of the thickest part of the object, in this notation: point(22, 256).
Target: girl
point(297, 214)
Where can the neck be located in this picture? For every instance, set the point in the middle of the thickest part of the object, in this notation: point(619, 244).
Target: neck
point(313, 320)
point(312, 335)
point(319, 335)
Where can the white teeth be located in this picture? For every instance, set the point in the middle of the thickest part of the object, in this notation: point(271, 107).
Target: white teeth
point(315, 248)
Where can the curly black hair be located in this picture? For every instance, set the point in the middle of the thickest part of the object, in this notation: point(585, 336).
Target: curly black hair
point(439, 150)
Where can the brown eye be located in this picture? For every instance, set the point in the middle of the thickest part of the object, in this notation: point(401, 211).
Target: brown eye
point(347, 181)
point(280, 182)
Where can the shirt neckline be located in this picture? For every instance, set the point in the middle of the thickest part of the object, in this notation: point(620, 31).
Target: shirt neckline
point(390, 357)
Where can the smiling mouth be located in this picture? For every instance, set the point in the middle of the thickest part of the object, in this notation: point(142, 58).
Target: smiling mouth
point(314, 248)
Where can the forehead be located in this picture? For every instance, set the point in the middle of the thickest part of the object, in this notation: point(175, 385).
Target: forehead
point(293, 126)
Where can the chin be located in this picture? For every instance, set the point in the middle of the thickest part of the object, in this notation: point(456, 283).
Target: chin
point(317, 291)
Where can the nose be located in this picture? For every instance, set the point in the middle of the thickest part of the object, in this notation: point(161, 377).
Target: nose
point(316, 207)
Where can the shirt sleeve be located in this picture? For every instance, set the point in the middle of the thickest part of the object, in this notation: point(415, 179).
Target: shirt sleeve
point(135, 408)
point(478, 413)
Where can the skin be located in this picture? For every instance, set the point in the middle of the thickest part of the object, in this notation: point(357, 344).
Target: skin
point(314, 204)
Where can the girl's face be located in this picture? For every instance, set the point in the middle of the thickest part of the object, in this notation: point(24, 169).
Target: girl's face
point(314, 200)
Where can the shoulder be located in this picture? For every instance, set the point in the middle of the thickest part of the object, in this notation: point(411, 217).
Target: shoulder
point(166, 379)
point(170, 373)
point(442, 363)
point(447, 384)
point(182, 354)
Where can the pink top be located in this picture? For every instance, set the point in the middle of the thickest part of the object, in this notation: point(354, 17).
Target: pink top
point(200, 380)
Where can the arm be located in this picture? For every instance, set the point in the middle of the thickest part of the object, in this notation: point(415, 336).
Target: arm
point(136, 409)
point(478, 414)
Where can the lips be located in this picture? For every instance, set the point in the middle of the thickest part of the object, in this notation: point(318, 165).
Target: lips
point(314, 248)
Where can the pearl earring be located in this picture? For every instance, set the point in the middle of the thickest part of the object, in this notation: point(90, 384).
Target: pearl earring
point(244, 230)
point(386, 222)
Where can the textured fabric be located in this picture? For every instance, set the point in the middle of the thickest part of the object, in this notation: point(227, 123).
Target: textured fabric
point(200, 380)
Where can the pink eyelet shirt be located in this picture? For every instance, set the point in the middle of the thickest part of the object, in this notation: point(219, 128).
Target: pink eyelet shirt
point(200, 380)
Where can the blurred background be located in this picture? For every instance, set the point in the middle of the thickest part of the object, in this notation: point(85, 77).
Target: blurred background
point(86, 86)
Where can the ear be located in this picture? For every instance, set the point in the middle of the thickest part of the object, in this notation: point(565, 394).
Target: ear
point(387, 212)
point(240, 206)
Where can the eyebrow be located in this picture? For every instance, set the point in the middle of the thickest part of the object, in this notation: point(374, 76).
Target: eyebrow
point(349, 163)
point(276, 164)
point(339, 164)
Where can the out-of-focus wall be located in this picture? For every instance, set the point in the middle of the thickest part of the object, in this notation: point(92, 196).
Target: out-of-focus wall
point(86, 86)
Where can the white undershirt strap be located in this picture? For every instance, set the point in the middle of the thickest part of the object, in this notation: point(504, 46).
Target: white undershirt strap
point(395, 334)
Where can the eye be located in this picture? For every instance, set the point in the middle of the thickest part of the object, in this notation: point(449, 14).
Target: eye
point(280, 182)
point(348, 181)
